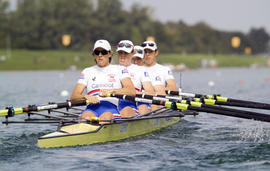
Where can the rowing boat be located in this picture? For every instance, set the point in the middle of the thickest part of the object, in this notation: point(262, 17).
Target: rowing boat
point(73, 131)
point(85, 133)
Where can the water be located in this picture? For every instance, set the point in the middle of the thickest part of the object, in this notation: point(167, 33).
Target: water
point(204, 142)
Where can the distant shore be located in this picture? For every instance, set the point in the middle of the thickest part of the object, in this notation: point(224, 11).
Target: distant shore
point(77, 60)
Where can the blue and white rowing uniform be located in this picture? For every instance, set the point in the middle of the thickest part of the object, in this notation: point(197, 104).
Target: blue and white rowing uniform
point(138, 75)
point(96, 78)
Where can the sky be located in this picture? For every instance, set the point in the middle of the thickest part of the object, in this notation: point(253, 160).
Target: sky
point(225, 15)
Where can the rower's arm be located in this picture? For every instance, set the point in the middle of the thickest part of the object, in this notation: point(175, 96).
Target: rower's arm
point(128, 87)
point(159, 89)
point(171, 85)
point(148, 88)
point(77, 92)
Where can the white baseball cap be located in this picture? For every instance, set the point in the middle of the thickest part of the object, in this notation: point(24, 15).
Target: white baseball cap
point(139, 52)
point(102, 44)
point(125, 45)
point(149, 45)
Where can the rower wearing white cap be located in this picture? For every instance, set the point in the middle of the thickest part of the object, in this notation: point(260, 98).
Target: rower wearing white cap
point(161, 76)
point(139, 77)
point(101, 79)
point(137, 58)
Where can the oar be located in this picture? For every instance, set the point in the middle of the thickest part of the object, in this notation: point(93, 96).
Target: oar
point(196, 106)
point(208, 103)
point(223, 100)
point(205, 101)
point(11, 111)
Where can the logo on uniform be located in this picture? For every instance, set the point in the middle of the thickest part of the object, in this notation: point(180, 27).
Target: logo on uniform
point(81, 76)
point(169, 72)
point(124, 71)
point(158, 78)
point(131, 75)
point(111, 77)
point(94, 78)
point(146, 74)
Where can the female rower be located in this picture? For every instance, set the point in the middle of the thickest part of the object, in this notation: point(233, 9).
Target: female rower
point(161, 76)
point(99, 80)
point(139, 77)
point(137, 58)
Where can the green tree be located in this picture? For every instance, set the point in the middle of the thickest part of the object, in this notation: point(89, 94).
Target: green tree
point(4, 20)
point(40, 24)
point(258, 40)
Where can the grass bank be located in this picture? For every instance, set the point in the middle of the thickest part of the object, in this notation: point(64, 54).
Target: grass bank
point(196, 60)
point(61, 60)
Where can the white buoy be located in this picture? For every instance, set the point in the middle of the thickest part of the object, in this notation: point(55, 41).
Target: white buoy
point(64, 93)
point(211, 83)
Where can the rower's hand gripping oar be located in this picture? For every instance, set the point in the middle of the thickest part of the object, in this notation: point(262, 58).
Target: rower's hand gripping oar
point(196, 106)
point(222, 100)
point(11, 111)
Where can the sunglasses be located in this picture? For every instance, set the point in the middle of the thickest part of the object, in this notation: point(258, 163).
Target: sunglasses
point(139, 51)
point(124, 45)
point(103, 52)
point(149, 44)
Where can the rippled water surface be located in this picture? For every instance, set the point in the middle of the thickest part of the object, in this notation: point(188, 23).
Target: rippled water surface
point(204, 142)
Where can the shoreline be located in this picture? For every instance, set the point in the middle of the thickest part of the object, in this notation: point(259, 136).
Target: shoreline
point(186, 70)
point(33, 60)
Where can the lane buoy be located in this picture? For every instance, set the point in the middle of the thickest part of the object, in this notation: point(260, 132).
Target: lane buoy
point(64, 93)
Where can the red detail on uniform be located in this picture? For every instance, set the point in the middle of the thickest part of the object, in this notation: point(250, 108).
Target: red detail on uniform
point(93, 91)
point(137, 89)
point(161, 102)
point(81, 76)
point(117, 116)
point(131, 75)
point(111, 77)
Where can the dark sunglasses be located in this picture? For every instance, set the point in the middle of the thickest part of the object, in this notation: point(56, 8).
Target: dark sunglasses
point(103, 52)
point(139, 51)
point(124, 45)
point(149, 44)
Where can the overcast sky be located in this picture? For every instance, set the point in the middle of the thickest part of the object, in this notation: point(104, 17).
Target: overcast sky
point(227, 15)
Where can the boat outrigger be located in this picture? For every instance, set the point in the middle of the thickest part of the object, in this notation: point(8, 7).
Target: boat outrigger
point(73, 131)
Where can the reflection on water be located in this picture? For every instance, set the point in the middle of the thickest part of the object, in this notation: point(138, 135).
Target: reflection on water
point(204, 142)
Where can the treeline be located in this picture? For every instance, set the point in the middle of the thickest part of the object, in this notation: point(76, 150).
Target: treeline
point(40, 24)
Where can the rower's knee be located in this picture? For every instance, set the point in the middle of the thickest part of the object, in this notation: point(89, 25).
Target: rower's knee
point(87, 115)
point(143, 109)
point(127, 112)
point(106, 117)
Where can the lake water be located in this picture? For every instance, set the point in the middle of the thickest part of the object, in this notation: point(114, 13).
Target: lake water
point(204, 142)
